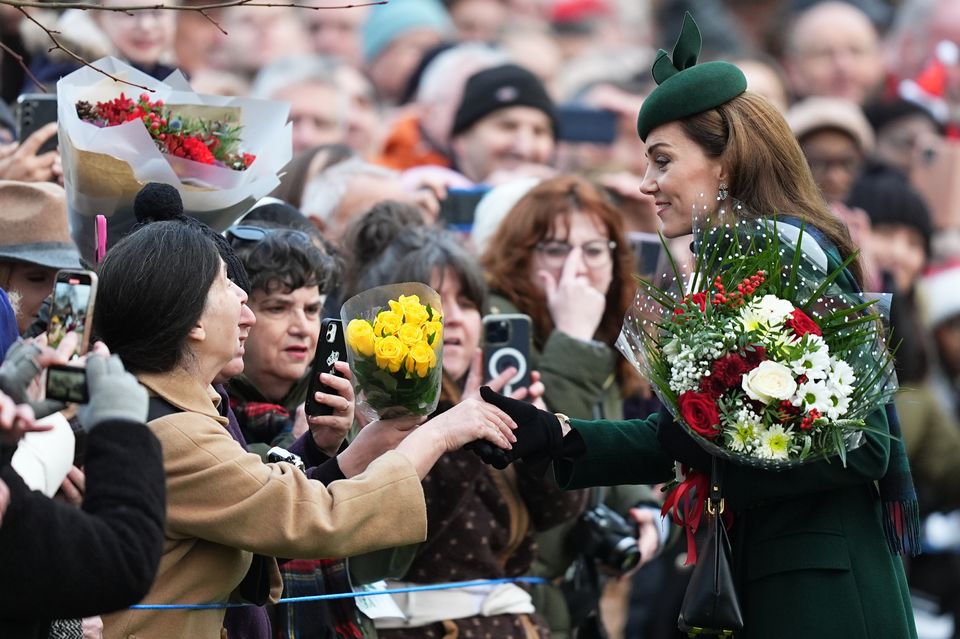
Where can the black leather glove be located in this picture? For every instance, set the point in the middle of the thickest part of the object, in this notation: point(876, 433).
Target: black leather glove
point(539, 434)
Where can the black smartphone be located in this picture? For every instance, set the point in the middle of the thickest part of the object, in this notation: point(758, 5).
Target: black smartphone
point(506, 343)
point(331, 348)
point(74, 294)
point(647, 249)
point(457, 209)
point(580, 123)
point(67, 383)
point(34, 111)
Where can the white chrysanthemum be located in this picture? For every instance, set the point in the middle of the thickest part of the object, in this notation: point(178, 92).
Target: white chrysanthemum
point(773, 309)
point(839, 406)
point(741, 438)
point(811, 358)
point(775, 443)
point(842, 375)
point(813, 395)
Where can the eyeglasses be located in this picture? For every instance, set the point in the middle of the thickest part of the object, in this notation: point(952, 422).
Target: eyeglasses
point(596, 253)
point(247, 233)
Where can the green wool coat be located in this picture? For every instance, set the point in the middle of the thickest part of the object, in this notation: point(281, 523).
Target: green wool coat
point(809, 553)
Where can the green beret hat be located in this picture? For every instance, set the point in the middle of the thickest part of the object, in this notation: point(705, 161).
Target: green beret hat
point(685, 87)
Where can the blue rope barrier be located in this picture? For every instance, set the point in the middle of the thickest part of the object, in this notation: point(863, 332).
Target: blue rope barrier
point(348, 595)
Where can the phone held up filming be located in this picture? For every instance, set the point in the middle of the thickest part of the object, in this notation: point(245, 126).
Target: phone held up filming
point(506, 343)
point(331, 348)
point(74, 294)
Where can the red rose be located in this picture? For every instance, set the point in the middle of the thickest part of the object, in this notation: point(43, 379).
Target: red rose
point(801, 324)
point(701, 414)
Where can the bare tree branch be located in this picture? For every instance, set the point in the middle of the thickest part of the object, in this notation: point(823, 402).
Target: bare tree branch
point(52, 34)
point(23, 65)
point(86, 6)
point(23, 5)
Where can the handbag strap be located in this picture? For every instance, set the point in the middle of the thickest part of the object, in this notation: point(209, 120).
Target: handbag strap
point(715, 502)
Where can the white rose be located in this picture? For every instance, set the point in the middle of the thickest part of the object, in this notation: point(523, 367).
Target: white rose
point(768, 382)
point(773, 309)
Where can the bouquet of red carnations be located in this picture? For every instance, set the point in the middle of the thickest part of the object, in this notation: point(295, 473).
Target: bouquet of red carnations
point(760, 352)
point(221, 153)
point(195, 139)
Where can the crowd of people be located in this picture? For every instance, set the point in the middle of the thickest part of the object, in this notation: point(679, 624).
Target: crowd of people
point(518, 157)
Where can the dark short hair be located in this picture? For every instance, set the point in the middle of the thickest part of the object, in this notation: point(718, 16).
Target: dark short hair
point(287, 259)
point(419, 251)
point(153, 287)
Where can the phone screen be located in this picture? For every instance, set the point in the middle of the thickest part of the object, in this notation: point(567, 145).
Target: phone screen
point(72, 302)
point(67, 384)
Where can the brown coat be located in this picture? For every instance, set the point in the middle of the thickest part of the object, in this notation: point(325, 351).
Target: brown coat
point(224, 504)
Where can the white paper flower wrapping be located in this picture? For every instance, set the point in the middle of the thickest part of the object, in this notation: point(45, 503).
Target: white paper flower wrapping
point(104, 168)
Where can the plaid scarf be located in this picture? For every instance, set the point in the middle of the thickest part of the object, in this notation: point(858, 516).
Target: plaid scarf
point(901, 521)
point(330, 619)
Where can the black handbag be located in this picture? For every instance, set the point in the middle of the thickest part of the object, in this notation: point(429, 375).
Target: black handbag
point(710, 604)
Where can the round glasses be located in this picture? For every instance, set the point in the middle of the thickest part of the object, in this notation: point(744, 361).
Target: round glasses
point(596, 253)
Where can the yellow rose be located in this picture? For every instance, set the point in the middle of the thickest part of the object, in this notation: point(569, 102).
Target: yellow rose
point(410, 334)
point(360, 337)
point(387, 323)
point(390, 352)
point(413, 311)
point(434, 329)
point(421, 359)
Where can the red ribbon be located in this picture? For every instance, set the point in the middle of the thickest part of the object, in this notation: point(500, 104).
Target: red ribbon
point(685, 505)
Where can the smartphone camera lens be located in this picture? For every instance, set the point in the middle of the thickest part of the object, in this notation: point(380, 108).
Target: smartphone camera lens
point(498, 332)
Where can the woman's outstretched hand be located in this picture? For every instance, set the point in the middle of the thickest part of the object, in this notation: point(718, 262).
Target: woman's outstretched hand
point(539, 433)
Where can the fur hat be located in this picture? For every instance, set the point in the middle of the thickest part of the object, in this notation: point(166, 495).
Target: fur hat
point(685, 87)
point(34, 227)
point(498, 88)
point(814, 114)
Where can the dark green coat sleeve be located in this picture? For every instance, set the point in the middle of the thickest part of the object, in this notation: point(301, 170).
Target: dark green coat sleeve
point(621, 452)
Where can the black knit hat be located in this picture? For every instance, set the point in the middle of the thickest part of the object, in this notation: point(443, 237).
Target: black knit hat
point(500, 88)
point(888, 198)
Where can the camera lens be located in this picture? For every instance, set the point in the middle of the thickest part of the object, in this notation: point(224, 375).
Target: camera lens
point(498, 332)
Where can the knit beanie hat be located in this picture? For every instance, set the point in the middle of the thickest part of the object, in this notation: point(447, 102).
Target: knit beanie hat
point(686, 88)
point(498, 88)
point(888, 198)
point(156, 202)
point(386, 23)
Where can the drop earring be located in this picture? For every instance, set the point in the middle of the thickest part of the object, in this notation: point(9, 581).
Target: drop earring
point(722, 193)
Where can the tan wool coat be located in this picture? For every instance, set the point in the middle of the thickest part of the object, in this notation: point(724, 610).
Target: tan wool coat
point(224, 505)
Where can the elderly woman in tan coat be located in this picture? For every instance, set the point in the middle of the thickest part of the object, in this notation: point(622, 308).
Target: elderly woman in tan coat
point(176, 323)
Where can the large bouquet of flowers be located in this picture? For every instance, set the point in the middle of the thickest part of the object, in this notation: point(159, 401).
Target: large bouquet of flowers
point(759, 352)
point(395, 340)
point(221, 153)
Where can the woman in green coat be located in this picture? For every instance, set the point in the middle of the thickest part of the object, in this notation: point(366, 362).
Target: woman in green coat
point(811, 554)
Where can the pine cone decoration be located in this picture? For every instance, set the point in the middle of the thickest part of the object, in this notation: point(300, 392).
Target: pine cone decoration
point(86, 111)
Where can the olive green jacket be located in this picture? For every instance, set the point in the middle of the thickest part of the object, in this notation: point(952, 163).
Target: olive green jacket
point(580, 381)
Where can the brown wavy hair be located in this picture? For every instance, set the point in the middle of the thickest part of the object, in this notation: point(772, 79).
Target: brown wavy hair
point(766, 168)
point(508, 258)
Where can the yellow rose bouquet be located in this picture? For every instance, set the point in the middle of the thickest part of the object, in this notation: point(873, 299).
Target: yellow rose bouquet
point(394, 344)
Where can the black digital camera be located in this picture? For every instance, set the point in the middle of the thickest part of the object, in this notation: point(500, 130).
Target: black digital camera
point(278, 454)
point(603, 534)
